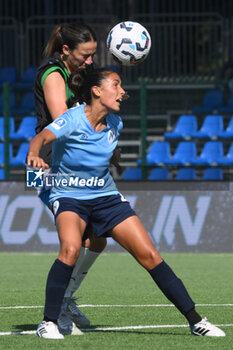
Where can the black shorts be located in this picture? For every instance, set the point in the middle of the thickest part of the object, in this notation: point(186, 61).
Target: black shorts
point(101, 213)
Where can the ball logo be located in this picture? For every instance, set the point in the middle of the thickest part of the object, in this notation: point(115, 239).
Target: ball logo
point(111, 136)
point(59, 123)
point(55, 207)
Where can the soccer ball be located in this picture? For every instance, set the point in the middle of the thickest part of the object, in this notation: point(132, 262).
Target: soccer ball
point(129, 43)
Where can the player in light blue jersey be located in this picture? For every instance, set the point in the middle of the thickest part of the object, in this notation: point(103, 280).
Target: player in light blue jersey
point(73, 128)
point(84, 140)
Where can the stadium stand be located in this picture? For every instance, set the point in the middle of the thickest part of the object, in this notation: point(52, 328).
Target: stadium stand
point(26, 130)
point(29, 75)
point(212, 100)
point(2, 158)
point(212, 174)
point(185, 127)
point(132, 174)
point(11, 127)
point(159, 174)
point(186, 174)
point(228, 132)
point(185, 154)
point(12, 102)
point(228, 159)
point(228, 108)
point(159, 153)
point(8, 75)
point(19, 159)
point(27, 105)
point(211, 154)
point(211, 127)
point(2, 174)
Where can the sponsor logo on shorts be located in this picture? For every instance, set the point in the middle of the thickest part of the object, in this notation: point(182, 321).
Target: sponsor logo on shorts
point(55, 207)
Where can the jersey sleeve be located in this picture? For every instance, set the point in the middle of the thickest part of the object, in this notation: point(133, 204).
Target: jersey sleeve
point(63, 126)
point(120, 125)
point(51, 70)
point(116, 121)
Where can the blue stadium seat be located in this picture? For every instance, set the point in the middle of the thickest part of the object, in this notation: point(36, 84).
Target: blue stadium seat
point(212, 174)
point(212, 100)
point(2, 154)
point(26, 129)
point(12, 102)
point(8, 74)
point(159, 174)
point(228, 133)
point(185, 127)
point(11, 127)
point(27, 105)
point(2, 174)
point(20, 158)
point(29, 75)
point(185, 154)
point(211, 127)
point(184, 174)
point(211, 154)
point(228, 108)
point(158, 154)
point(132, 174)
point(228, 159)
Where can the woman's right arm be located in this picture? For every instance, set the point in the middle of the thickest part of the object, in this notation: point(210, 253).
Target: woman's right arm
point(33, 159)
point(55, 94)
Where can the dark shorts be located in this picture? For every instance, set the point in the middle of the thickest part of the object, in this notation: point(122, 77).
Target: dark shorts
point(101, 213)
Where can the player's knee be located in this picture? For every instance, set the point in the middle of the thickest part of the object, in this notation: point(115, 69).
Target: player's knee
point(151, 259)
point(69, 254)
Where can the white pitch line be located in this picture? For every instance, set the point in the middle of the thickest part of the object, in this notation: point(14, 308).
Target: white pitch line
point(122, 306)
point(110, 329)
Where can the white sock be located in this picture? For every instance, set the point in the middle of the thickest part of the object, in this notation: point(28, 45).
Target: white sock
point(85, 260)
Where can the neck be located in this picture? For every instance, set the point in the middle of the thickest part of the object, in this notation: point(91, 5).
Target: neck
point(64, 60)
point(96, 116)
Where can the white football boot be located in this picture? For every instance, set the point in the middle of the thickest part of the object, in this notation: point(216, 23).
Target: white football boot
point(48, 330)
point(205, 328)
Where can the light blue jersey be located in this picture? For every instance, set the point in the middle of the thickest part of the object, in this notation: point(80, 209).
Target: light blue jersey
point(81, 156)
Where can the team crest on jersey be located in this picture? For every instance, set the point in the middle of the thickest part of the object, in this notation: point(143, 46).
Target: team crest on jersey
point(111, 135)
point(83, 137)
point(59, 123)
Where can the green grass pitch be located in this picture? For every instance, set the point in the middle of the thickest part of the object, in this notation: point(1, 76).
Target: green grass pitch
point(117, 296)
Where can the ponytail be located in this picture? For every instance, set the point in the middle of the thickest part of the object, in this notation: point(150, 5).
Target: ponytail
point(55, 42)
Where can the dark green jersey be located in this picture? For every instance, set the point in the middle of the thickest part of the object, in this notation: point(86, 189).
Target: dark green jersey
point(52, 64)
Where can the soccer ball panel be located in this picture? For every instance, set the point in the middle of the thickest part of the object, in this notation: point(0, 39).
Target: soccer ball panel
point(129, 43)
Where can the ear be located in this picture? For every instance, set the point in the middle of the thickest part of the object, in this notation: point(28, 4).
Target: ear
point(96, 91)
point(65, 50)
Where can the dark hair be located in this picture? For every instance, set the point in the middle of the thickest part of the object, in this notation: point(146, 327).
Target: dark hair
point(70, 34)
point(82, 82)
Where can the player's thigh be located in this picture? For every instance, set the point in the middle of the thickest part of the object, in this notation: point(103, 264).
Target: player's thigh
point(132, 235)
point(94, 243)
point(70, 228)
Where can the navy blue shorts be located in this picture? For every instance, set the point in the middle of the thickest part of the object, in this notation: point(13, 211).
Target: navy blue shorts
point(101, 213)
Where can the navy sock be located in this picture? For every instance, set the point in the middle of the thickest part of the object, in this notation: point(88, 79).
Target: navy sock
point(57, 282)
point(172, 287)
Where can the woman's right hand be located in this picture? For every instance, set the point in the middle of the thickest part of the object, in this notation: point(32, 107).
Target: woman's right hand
point(36, 162)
